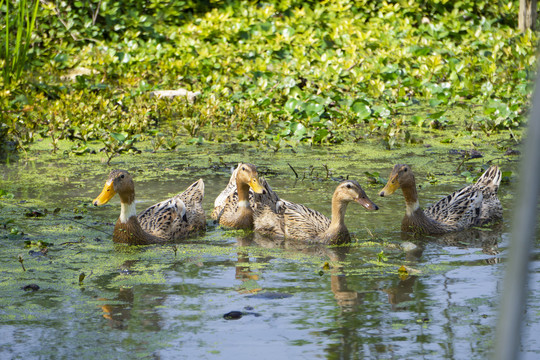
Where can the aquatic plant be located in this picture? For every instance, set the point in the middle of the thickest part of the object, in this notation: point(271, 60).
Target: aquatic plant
point(279, 73)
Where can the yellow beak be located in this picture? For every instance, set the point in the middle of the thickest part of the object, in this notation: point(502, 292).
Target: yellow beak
point(106, 194)
point(256, 185)
point(391, 186)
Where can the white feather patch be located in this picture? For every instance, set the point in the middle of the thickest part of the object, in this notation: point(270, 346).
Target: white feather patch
point(243, 203)
point(127, 211)
point(411, 208)
point(180, 206)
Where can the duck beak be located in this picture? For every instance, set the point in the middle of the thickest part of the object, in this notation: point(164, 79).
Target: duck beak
point(255, 185)
point(106, 194)
point(367, 203)
point(391, 186)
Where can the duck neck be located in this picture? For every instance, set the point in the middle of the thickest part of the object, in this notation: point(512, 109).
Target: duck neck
point(411, 199)
point(243, 195)
point(337, 223)
point(127, 202)
point(128, 230)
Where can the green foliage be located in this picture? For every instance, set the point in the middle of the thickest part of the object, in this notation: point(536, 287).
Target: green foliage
point(280, 73)
point(15, 46)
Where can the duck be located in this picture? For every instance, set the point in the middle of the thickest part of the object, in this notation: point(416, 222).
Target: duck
point(169, 220)
point(234, 206)
point(473, 205)
point(298, 222)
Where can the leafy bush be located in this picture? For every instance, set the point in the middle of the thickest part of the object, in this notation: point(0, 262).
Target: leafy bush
point(278, 72)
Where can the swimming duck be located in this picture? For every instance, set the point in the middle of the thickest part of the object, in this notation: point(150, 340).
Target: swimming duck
point(473, 205)
point(298, 222)
point(169, 220)
point(233, 208)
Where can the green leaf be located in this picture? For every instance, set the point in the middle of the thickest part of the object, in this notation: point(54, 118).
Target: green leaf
point(118, 137)
point(320, 135)
point(291, 104)
point(361, 109)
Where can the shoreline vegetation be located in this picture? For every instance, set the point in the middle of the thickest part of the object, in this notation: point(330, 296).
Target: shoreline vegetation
point(276, 73)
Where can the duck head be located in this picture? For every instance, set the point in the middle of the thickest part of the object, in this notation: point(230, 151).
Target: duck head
point(119, 182)
point(350, 190)
point(247, 174)
point(401, 176)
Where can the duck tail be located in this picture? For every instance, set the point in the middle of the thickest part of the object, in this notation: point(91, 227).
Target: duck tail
point(194, 193)
point(491, 178)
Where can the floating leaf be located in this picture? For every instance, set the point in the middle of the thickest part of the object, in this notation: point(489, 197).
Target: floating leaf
point(118, 137)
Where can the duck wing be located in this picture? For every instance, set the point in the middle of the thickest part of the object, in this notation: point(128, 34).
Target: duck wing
point(223, 198)
point(178, 216)
point(489, 183)
point(458, 209)
point(269, 222)
point(196, 218)
point(158, 219)
point(475, 204)
point(301, 222)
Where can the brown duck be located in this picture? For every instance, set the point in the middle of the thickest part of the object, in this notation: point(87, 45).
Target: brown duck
point(473, 205)
point(298, 222)
point(169, 220)
point(233, 208)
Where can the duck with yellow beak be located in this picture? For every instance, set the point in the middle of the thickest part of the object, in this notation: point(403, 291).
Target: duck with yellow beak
point(474, 205)
point(233, 208)
point(169, 220)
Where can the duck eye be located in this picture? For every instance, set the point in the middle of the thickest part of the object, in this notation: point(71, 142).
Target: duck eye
point(243, 168)
point(405, 170)
point(348, 186)
point(122, 176)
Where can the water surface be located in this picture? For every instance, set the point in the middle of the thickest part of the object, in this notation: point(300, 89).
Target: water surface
point(297, 301)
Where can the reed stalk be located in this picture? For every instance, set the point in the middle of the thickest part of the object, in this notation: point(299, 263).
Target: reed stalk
point(15, 53)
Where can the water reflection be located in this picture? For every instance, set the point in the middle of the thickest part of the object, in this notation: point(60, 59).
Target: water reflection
point(118, 315)
point(119, 311)
point(486, 239)
point(402, 292)
point(347, 300)
point(243, 271)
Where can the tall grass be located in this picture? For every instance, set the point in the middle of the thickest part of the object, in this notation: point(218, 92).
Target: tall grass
point(15, 52)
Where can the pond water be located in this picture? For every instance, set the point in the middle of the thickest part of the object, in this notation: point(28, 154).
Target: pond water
point(291, 300)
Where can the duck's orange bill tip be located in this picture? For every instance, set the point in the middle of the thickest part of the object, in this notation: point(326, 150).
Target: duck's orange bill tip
point(106, 194)
point(389, 188)
point(256, 185)
point(367, 203)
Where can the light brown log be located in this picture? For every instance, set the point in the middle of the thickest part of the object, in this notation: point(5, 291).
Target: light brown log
point(527, 14)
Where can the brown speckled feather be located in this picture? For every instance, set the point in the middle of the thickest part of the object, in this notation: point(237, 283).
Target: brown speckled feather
point(301, 222)
point(290, 220)
point(459, 209)
point(131, 233)
point(298, 222)
point(473, 205)
point(177, 217)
